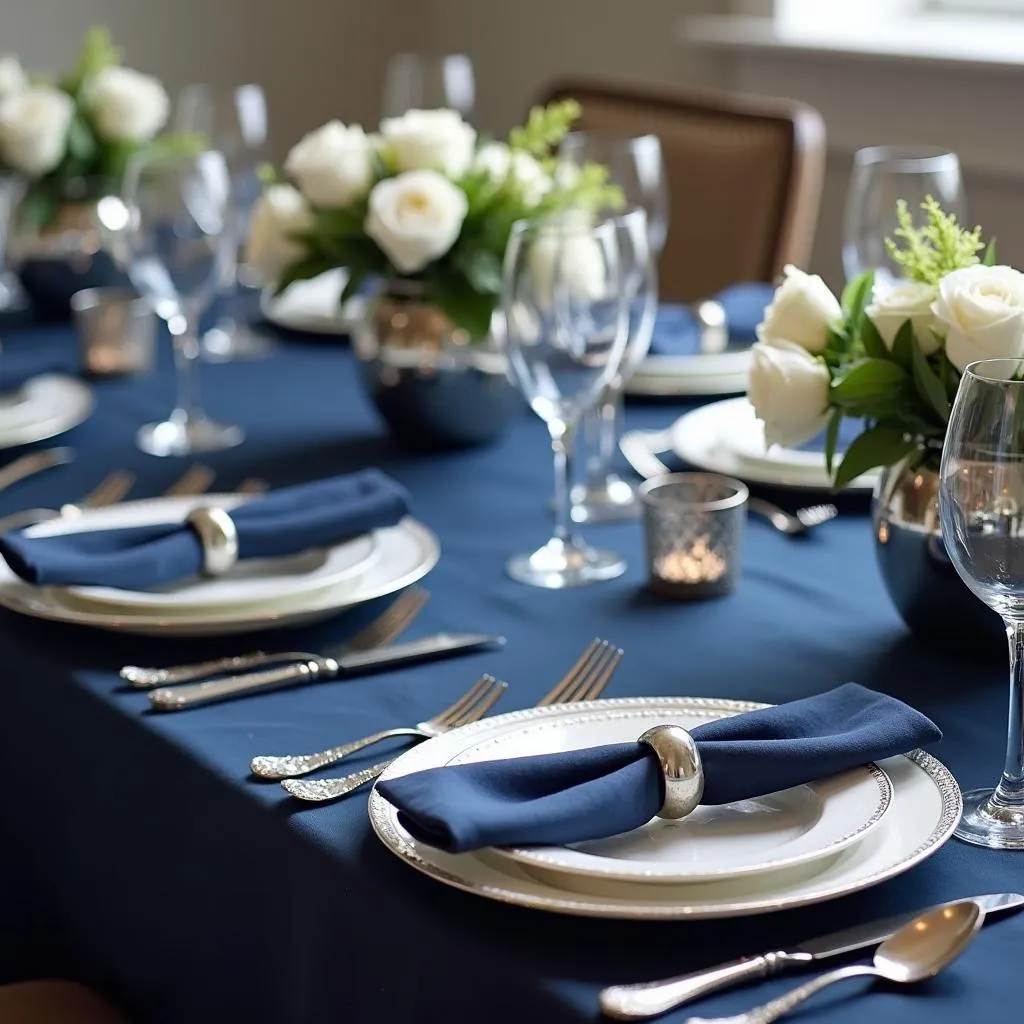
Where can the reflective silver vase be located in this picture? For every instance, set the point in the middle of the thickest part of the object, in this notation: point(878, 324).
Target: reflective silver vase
point(435, 387)
point(925, 588)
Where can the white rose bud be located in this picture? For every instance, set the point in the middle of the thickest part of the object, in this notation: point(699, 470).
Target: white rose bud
point(501, 164)
point(802, 311)
point(415, 218)
point(34, 128)
point(983, 308)
point(12, 77)
point(892, 305)
point(333, 165)
point(280, 213)
point(437, 140)
point(788, 389)
point(126, 105)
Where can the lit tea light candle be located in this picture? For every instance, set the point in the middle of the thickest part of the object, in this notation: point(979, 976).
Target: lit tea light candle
point(698, 564)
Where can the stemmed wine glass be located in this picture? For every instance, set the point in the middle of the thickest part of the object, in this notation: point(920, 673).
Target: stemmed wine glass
point(232, 121)
point(981, 505)
point(417, 81)
point(881, 176)
point(637, 167)
point(12, 188)
point(179, 243)
point(565, 309)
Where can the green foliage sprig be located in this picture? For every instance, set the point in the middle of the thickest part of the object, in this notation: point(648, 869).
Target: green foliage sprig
point(937, 248)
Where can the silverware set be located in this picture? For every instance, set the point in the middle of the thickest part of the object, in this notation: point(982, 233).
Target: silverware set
point(641, 449)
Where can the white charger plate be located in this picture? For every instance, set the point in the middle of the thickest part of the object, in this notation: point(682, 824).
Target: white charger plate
point(44, 407)
point(312, 306)
point(782, 830)
point(926, 806)
point(723, 437)
point(407, 552)
point(251, 582)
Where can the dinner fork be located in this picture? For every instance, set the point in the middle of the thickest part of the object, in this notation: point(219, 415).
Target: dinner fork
point(794, 524)
point(382, 630)
point(196, 480)
point(586, 680)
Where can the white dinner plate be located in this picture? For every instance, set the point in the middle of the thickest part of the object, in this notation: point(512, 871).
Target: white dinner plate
point(42, 408)
point(926, 806)
point(781, 830)
point(250, 582)
point(724, 437)
point(407, 552)
point(313, 306)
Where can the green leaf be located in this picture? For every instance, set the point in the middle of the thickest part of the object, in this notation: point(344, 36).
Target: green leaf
point(855, 298)
point(868, 380)
point(303, 270)
point(877, 446)
point(481, 269)
point(989, 259)
point(832, 437)
point(38, 209)
point(464, 307)
point(903, 345)
point(356, 277)
point(82, 146)
point(874, 343)
point(929, 387)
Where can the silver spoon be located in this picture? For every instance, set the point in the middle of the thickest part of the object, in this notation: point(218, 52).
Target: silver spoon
point(917, 951)
point(796, 524)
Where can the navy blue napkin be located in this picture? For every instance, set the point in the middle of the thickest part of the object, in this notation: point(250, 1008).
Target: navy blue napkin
point(552, 799)
point(677, 330)
point(23, 360)
point(283, 522)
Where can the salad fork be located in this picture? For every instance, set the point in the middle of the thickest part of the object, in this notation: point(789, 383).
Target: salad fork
point(382, 630)
point(584, 681)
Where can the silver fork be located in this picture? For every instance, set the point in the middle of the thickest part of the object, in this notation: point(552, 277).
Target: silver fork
point(196, 480)
point(584, 681)
point(382, 630)
point(794, 524)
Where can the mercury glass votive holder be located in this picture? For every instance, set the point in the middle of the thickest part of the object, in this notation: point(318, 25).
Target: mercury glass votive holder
point(116, 331)
point(693, 528)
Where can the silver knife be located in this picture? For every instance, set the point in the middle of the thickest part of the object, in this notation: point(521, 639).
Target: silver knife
point(650, 999)
point(323, 666)
point(34, 462)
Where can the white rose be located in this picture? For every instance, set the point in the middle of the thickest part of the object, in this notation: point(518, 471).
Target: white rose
point(12, 77)
point(415, 218)
point(126, 105)
point(437, 140)
point(34, 128)
point(501, 164)
point(802, 312)
point(333, 165)
point(576, 261)
point(280, 213)
point(984, 310)
point(892, 305)
point(788, 389)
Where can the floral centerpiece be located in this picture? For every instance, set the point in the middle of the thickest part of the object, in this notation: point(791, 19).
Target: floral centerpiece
point(423, 205)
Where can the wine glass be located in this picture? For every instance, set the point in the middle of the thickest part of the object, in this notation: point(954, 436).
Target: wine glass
point(179, 243)
point(565, 310)
point(636, 166)
point(981, 505)
point(232, 121)
point(882, 175)
point(12, 189)
point(418, 81)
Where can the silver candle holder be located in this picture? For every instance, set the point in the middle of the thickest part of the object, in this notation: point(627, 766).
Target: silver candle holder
point(116, 331)
point(693, 528)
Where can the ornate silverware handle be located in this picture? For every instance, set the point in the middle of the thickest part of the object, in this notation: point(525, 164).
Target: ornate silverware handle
point(180, 697)
point(649, 999)
point(292, 765)
point(146, 678)
point(779, 1007)
point(319, 790)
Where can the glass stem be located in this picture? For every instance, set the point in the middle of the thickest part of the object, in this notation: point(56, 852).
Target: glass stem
point(1010, 791)
point(600, 437)
point(561, 445)
point(183, 328)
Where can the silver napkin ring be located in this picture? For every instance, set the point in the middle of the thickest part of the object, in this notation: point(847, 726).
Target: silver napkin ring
point(218, 536)
point(681, 769)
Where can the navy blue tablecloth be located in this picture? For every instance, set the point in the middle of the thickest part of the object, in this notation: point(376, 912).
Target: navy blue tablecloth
point(136, 853)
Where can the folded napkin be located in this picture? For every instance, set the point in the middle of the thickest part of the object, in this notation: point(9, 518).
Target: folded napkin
point(677, 330)
point(22, 360)
point(554, 799)
point(282, 522)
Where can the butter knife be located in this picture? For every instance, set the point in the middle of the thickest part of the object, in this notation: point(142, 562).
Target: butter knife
point(650, 999)
point(324, 666)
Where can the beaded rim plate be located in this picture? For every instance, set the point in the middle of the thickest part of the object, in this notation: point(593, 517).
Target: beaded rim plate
point(926, 808)
point(782, 830)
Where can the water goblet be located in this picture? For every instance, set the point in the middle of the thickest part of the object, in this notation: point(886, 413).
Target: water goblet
point(981, 506)
point(419, 81)
point(565, 309)
point(178, 244)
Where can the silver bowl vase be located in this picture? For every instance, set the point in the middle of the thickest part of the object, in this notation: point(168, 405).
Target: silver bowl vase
point(925, 588)
point(436, 388)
